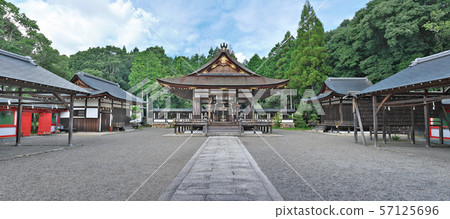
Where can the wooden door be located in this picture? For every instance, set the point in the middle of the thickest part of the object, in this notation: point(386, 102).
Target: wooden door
point(105, 119)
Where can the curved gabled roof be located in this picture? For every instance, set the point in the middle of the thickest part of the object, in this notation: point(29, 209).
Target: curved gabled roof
point(223, 72)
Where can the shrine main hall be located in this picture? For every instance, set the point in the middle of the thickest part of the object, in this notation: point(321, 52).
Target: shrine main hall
point(223, 94)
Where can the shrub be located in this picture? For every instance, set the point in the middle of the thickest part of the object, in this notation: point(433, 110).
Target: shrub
point(395, 137)
point(277, 120)
point(299, 121)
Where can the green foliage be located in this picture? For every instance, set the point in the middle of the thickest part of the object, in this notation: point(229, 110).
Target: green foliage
point(110, 62)
point(440, 27)
point(277, 120)
point(135, 109)
point(395, 137)
point(19, 34)
point(313, 117)
point(308, 67)
point(254, 63)
point(384, 37)
point(299, 121)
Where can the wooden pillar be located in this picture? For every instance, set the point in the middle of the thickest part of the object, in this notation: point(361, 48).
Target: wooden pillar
point(341, 114)
point(375, 121)
point(413, 130)
point(361, 127)
point(384, 125)
point(427, 122)
point(72, 97)
point(355, 134)
point(19, 120)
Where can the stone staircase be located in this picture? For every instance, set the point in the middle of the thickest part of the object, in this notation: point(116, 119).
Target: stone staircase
point(223, 129)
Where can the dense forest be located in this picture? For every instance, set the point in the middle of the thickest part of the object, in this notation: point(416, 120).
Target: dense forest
point(380, 40)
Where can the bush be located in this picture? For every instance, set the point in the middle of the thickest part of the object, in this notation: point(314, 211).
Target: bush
point(277, 120)
point(299, 121)
point(395, 137)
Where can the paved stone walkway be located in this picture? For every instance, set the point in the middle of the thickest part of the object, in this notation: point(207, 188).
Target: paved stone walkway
point(221, 170)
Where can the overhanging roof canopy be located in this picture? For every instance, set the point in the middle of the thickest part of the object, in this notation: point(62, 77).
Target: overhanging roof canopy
point(428, 72)
point(340, 87)
point(21, 71)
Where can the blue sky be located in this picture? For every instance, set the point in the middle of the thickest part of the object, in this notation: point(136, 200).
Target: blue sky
point(182, 27)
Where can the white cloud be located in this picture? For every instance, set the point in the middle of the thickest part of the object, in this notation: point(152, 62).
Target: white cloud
point(78, 25)
point(240, 56)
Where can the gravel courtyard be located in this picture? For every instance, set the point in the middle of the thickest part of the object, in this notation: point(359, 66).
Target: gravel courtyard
point(339, 169)
point(99, 167)
point(113, 166)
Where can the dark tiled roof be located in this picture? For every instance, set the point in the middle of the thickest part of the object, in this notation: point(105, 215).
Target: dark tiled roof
point(344, 85)
point(422, 70)
point(23, 68)
point(101, 86)
point(234, 78)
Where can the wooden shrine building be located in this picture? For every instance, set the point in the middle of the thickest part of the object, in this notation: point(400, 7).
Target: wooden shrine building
point(225, 90)
point(106, 108)
point(21, 79)
point(336, 103)
point(418, 89)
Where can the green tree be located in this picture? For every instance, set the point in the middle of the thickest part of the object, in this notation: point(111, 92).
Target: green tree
point(384, 37)
point(308, 67)
point(19, 34)
point(254, 63)
point(440, 27)
point(284, 57)
point(110, 62)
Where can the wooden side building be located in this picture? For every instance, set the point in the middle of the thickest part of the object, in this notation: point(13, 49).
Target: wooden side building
point(105, 109)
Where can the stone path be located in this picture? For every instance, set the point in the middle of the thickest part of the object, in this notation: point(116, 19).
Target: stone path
point(221, 170)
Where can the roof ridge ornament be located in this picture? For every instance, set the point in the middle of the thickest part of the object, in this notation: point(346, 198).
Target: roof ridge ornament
point(223, 46)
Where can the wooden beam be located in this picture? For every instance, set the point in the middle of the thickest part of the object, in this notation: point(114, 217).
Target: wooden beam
point(58, 96)
point(382, 102)
point(23, 92)
point(39, 87)
point(420, 101)
point(20, 97)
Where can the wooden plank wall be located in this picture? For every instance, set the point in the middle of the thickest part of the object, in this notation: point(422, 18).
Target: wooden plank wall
point(83, 125)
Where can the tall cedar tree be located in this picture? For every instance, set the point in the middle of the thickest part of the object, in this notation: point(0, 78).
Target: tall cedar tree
point(308, 68)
